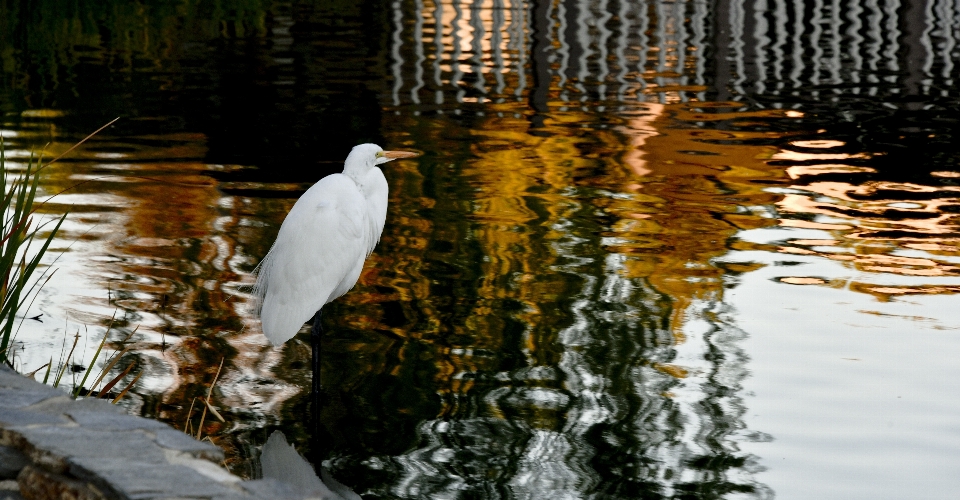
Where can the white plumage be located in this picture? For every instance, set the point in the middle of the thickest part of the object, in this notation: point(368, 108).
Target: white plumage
point(323, 242)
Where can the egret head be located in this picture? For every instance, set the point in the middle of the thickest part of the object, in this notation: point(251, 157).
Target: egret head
point(363, 157)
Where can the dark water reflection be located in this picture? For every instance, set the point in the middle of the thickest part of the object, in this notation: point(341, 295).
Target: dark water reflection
point(573, 286)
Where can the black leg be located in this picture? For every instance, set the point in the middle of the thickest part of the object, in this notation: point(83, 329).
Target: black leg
point(315, 390)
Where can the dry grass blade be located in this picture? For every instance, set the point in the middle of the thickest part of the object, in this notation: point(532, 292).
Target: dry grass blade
point(215, 412)
point(110, 384)
point(215, 377)
point(202, 418)
point(34, 373)
point(105, 371)
point(46, 376)
point(127, 388)
point(209, 394)
point(189, 415)
point(75, 146)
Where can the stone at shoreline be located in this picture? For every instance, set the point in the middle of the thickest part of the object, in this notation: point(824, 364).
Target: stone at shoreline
point(57, 447)
point(11, 462)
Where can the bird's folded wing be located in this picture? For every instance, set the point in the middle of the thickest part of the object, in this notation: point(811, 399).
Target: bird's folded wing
point(316, 251)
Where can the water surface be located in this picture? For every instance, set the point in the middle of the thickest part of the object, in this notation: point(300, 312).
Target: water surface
point(651, 250)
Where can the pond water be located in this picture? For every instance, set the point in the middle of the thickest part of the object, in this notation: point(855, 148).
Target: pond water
point(664, 249)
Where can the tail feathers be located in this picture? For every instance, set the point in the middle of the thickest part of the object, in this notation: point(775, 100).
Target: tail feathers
point(285, 299)
point(280, 323)
point(259, 288)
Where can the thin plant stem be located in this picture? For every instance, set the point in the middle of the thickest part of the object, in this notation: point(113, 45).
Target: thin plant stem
point(209, 393)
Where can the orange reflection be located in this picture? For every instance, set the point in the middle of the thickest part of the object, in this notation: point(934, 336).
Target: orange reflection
point(668, 195)
point(684, 208)
point(897, 228)
point(875, 217)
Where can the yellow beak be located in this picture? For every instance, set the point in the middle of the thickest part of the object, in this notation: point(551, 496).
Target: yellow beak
point(393, 155)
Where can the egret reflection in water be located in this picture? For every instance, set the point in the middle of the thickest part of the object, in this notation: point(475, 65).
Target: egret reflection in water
point(654, 249)
point(281, 462)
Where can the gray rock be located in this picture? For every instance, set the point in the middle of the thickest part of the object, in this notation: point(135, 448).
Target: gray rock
point(11, 462)
point(13, 380)
point(11, 417)
point(54, 444)
point(19, 398)
point(90, 449)
point(10, 490)
point(64, 404)
point(101, 421)
point(237, 496)
point(173, 439)
point(136, 480)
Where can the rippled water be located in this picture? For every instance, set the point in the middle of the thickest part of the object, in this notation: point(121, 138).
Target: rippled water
point(651, 250)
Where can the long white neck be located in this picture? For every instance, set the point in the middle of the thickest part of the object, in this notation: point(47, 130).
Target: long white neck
point(358, 167)
point(355, 171)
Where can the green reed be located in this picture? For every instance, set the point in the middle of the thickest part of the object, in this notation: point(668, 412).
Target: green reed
point(21, 248)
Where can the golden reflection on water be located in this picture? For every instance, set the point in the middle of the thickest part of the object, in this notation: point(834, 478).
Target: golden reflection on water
point(547, 313)
point(655, 199)
point(526, 226)
point(893, 228)
point(546, 309)
point(563, 227)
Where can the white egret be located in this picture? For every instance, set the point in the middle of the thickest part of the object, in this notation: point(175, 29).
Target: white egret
point(323, 242)
point(321, 247)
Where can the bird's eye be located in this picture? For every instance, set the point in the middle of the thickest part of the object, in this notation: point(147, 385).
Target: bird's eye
point(379, 154)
